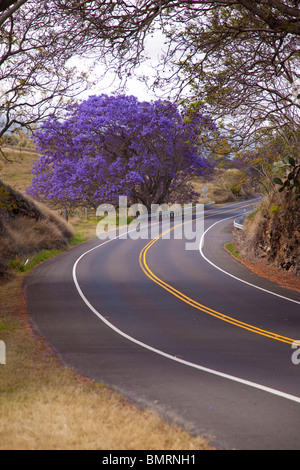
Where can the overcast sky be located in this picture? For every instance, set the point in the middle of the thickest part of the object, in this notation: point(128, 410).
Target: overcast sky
point(133, 87)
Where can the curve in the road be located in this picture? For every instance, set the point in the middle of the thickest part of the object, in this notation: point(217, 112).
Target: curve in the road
point(203, 308)
point(191, 302)
point(235, 277)
point(199, 306)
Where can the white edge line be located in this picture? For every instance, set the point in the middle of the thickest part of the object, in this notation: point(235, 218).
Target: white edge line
point(231, 275)
point(166, 355)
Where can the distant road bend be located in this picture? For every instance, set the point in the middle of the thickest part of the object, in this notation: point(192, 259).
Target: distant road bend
point(192, 334)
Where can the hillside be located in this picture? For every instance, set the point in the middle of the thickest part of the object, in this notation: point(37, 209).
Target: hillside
point(224, 186)
point(26, 228)
point(17, 173)
point(272, 234)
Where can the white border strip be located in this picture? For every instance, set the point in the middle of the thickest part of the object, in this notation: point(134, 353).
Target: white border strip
point(163, 354)
point(231, 275)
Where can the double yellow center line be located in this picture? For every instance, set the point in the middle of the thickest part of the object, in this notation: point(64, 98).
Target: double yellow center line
point(193, 303)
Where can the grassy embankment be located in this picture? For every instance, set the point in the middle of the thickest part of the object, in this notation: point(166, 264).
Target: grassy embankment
point(232, 250)
point(45, 405)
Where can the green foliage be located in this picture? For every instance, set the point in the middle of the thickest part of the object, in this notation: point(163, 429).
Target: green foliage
point(269, 161)
point(78, 238)
point(6, 326)
point(26, 266)
point(236, 190)
point(6, 202)
point(289, 179)
point(17, 138)
point(231, 248)
point(252, 215)
point(235, 181)
point(274, 209)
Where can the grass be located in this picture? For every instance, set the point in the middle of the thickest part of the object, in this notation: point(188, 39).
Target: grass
point(252, 215)
point(46, 406)
point(232, 250)
point(18, 173)
point(86, 228)
point(26, 266)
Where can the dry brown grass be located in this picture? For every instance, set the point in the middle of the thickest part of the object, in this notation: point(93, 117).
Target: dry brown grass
point(74, 419)
point(219, 187)
point(28, 228)
point(46, 406)
point(18, 173)
point(25, 236)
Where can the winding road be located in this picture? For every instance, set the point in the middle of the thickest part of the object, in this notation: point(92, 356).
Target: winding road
point(192, 334)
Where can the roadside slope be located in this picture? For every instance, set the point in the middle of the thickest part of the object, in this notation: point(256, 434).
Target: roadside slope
point(271, 239)
point(27, 228)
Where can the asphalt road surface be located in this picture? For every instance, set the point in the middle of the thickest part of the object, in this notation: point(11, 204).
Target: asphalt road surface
point(190, 333)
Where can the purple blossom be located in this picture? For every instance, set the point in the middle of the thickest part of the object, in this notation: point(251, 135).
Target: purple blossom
point(115, 145)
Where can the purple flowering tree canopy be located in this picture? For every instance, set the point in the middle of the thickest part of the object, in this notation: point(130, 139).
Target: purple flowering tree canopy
point(111, 146)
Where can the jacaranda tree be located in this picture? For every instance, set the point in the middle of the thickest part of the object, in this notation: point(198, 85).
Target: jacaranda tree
point(110, 146)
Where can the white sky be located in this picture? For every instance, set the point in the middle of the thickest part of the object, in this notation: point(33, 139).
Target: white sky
point(133, 86)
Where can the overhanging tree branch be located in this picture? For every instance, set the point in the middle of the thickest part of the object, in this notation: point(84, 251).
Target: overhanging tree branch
point(10, 11)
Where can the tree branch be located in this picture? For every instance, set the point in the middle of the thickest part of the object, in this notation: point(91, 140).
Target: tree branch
point(11, 11)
